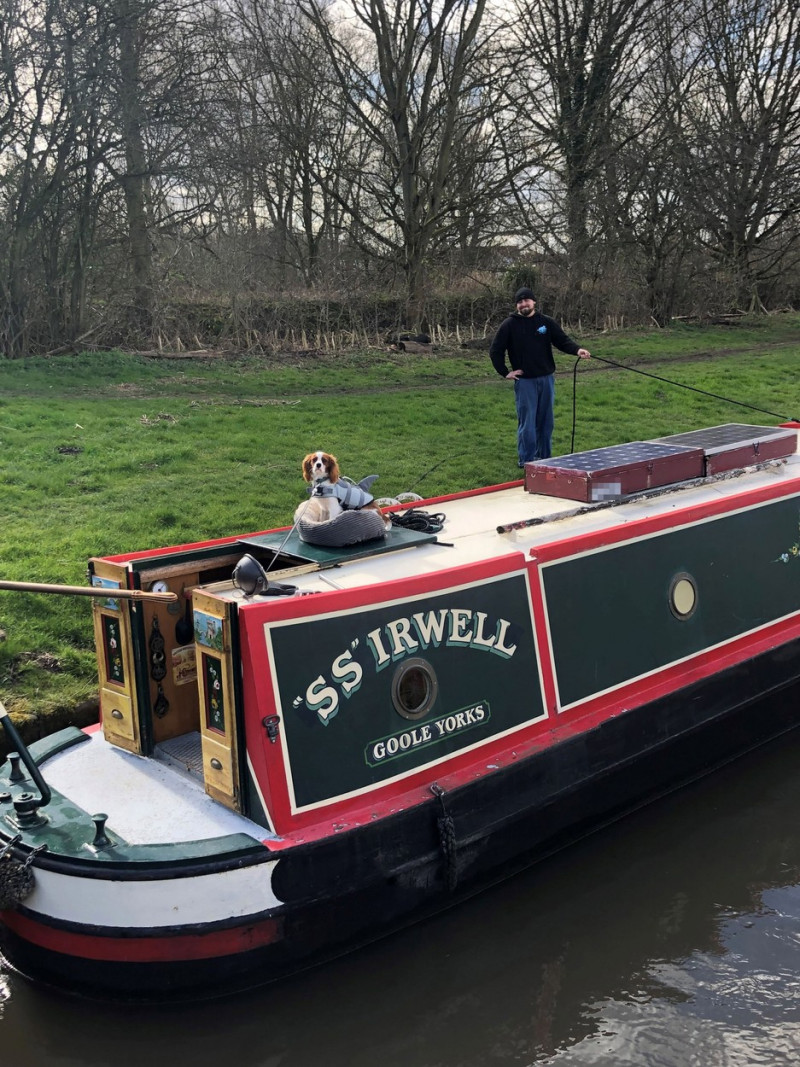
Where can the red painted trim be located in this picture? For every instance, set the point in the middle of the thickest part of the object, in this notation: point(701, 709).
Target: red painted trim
point(542, 639)
point(119, 947)
point(266, 758)
point(461, 495)
point(667, 679)
point(541, 735)
point(170, 550)
point(282, 609)
point(672, 520)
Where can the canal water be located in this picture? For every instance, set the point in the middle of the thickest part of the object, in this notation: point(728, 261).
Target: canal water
point(671, 939)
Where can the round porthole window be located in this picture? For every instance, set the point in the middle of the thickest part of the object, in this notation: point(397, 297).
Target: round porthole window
point(683, 596)
point(414, 688)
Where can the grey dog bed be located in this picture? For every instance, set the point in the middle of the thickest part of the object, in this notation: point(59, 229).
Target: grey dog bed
point(348, 528)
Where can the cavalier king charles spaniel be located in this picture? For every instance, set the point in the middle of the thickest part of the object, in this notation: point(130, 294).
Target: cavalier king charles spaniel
point(320, 469)
point(330, 493)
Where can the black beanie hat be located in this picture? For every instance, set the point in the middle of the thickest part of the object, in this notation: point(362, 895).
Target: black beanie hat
point(524, 294)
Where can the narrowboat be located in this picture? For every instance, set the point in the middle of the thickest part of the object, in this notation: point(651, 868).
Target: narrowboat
point(310, 738)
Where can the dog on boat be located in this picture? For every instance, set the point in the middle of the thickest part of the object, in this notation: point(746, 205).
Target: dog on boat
point(330, 492)
point(320, 469)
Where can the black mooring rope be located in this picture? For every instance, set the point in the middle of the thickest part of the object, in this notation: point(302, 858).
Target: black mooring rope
point(574, 403)
point(422, 521)
point(667, 381)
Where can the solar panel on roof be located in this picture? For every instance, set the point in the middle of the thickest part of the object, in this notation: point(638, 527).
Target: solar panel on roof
point(603, 473)
point(736, 444)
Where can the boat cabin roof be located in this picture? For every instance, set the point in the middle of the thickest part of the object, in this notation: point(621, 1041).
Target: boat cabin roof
point(499, 521)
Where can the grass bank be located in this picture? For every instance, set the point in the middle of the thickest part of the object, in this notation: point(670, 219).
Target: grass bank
point(106, 452)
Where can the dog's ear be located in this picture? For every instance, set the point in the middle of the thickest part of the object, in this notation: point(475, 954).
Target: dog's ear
point(306, 467)
point(333, 468)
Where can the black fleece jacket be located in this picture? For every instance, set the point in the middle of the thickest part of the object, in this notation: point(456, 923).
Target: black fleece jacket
point(529, 342)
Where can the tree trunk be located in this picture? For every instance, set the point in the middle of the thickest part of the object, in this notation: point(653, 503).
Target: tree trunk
point(135, 180)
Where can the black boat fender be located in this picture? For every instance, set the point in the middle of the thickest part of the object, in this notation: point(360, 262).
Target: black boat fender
point(447, 839)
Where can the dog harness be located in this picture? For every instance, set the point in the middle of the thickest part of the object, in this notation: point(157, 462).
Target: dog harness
point(349, 494)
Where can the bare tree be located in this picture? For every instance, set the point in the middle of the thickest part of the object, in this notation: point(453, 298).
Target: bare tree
point(583, 60)
point(739, 138)
point(282, 114)
point(159, 83)
point(45, 149)
point(411, 86)
point(648, 241)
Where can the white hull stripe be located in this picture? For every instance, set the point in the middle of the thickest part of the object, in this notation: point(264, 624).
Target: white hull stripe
point(130, 905)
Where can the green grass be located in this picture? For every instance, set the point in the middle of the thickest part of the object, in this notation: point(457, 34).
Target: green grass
point(106, 453)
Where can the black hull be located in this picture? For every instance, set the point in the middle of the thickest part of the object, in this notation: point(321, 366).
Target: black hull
point(363, 884)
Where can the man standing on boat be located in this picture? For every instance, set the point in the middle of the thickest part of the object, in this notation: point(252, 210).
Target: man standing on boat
point(528, 338)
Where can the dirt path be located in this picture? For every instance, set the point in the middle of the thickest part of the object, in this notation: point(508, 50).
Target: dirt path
point(316, 362)
point(593, 366)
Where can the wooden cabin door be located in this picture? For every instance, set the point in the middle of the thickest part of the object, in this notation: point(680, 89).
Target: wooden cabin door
point(218, 719)
point(119, 707)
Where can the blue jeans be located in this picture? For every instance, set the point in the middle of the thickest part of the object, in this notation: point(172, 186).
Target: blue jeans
point(534, 398)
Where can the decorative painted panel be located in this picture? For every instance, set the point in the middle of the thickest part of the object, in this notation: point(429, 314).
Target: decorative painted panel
point(214, 694)
point(610, 610)
point(371, 694)
point(208, 630)
point(112, 648)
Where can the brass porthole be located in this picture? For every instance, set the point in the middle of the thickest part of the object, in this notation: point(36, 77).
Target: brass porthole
point(414, 688)
point(683, 596)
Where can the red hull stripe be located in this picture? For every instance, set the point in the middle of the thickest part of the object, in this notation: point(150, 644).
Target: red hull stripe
point(162, 949)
